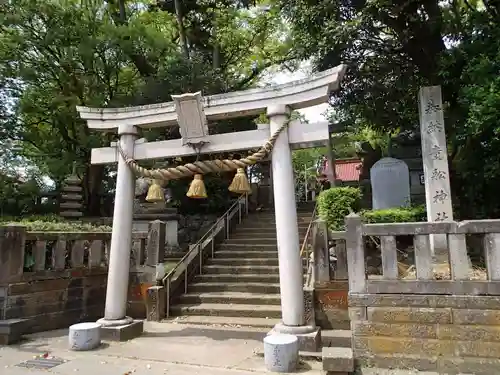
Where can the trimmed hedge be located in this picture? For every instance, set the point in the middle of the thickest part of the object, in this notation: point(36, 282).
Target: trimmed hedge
point(395, 215)
point(336, 203)
point(53, 223)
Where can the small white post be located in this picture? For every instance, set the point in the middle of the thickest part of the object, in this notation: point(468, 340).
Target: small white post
point(121, 238)
point(290, 263)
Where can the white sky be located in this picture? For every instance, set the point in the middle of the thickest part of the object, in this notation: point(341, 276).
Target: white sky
point(313, 114)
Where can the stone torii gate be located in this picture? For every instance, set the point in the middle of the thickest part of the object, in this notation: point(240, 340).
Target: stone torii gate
point(192, 112)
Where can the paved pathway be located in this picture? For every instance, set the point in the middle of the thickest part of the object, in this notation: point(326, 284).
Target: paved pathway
point(165, 348)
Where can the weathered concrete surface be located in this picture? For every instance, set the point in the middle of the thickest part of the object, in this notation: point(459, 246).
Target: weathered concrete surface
point(165, 348)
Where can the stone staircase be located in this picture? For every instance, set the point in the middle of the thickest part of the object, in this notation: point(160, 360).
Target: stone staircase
point(240, 288)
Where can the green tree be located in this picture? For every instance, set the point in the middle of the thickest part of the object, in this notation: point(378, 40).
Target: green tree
point(57, 54)
point(394, 47)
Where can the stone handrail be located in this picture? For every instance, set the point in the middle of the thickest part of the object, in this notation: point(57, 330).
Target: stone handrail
point(194, 258)
point(459, 281)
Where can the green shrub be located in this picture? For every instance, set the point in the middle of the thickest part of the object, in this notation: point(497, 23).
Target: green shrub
point(53, 223)
point(395, 215)
point(336, 203)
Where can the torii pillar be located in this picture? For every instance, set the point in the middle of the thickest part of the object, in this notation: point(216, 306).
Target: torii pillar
point(290, 261)
point(115, 322)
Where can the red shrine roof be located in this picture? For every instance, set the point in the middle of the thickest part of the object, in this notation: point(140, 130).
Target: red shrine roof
point(345, 169)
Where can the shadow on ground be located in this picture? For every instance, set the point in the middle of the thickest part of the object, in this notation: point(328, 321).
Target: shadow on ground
point(214, 334)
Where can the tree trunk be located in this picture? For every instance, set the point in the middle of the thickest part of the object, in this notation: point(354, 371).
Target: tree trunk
point(92, 184)
point(182, 31)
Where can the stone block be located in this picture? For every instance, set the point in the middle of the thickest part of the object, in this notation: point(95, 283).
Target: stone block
point(468, 332)
point(310, 342)
point(155, 303)
point(11, 330)
point(357, 313)
point(437, 301)
point(483, 349)
point(476, 317)
point(388, 345)
point(410, 314)
point(39, 286)
point(394, 329)
point(468, 365)
point(337, 359)
point(398, 361)
point(123, 333)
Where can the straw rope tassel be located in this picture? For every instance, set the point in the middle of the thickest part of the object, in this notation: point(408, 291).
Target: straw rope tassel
point(240, 183)
point(197, 188)
point(155, 193)
point(205, 166)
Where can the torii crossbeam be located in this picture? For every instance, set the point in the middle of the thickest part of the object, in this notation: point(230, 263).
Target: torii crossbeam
point(192, 113)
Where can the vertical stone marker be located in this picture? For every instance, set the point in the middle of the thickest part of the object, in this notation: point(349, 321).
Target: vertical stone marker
point(435, 160)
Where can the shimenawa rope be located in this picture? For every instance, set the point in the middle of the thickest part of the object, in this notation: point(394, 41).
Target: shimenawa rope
point(205, 166)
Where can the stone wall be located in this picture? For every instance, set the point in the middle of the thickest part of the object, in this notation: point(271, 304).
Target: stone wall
point(447, 334)
point(65, 281)
point(192, 227)
point(72, 297)
point(330, 305)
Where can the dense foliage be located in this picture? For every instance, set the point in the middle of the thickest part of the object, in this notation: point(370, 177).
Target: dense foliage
point(57, 54)
point(394, 47)
point(52, 223)
point(335, 204)
point(395, 215)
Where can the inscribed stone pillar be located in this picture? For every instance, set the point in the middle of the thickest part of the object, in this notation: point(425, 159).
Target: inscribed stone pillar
point(435, 160)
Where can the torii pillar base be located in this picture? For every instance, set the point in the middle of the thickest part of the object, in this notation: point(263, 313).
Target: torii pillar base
point(309, 336)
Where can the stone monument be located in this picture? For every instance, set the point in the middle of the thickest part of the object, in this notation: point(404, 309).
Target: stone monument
point(435, 159)
point(390, 180)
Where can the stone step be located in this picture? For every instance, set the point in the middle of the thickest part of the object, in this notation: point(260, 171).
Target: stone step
point(251, 240)
point(261, 234)
point(250, 287)
point(255, 237)
point(258, 224)
point(238, 278)
point(247, 247)
point(243, 262)
point(220, 309)
point(246, 254)
point(225, 321)
point(231, 298)
point(340, 338)
point(337, 359)
point(218, 269)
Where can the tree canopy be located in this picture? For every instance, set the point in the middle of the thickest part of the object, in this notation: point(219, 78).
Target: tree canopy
point(57, 54)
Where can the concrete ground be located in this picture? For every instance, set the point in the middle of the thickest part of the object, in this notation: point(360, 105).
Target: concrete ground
point(164, 348)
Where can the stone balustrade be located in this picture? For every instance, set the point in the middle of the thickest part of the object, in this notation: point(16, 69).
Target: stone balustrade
point(446, 321)
point(56, 279)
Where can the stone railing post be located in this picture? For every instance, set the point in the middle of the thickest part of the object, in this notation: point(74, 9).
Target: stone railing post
point(12, 241)
point(355, 253)
point(155, 246)
point(155, 303)
point(321, 253)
